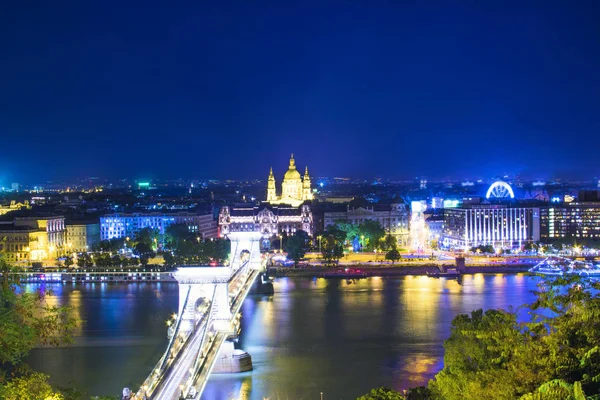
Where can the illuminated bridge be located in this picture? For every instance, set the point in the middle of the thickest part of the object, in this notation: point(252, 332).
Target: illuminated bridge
point(209, 302)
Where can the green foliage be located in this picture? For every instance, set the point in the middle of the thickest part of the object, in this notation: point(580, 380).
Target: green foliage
point(33, 386)
point(487, 249)
point(296, 246)
point(331, 248)
point(147, 236)
point(175, 234)
point(382, 393)
point(193, 250)
point(554, 356)
point(69, 261)
point(392, 255)
point(419, 393)
point(389, 242)
point(373, 232)
point(350, 230)
point(112, 245)
point(27, 321)
point(102, 260)
point(84, 260)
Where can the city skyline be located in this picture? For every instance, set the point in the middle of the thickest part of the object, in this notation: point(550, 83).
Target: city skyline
point(353, 89)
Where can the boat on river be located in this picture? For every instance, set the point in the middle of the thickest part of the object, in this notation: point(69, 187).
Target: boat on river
point(444, 272)
point(345, 273)
point(560, 266)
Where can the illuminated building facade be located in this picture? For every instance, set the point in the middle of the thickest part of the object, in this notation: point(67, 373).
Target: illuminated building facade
point(22, 244)
point(570, 221)
point(14, 206)
point(117, 226)
point(496, 225)
point(33, 239)
point(82, 236)
point(295, 189)
point(394, 218)
point(266, 219)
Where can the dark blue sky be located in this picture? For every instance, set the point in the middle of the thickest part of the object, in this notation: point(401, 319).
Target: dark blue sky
point(353, 88)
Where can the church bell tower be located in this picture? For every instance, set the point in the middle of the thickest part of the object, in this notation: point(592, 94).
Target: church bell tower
point(306, 192)
point(271, 191)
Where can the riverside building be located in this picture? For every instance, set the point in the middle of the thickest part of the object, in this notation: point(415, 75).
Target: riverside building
point(502, 226)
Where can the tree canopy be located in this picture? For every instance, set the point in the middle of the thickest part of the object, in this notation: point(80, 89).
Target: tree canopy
point(556, 354)
point(296, 246)
point(26, 321)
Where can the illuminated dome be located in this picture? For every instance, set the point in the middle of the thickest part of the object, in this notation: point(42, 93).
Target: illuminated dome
point(292, 173)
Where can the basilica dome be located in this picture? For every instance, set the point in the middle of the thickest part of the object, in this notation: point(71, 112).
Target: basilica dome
point(292, 174)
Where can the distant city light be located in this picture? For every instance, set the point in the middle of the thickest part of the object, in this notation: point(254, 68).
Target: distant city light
point(451, 203)
point(144, 184)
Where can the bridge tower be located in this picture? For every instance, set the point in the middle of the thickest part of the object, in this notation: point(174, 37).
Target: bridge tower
point(197, 284)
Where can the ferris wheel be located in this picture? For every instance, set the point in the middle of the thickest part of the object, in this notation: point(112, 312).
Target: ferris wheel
point(500, 190)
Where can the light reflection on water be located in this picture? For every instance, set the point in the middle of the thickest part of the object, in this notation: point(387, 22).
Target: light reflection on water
point(314, 335)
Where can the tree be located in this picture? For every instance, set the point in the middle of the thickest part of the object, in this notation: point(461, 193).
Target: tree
point(103, 260)
point(392, 255)
point(144, 251)
point(389, 242)
point(350, 230)
point(27, 321)
point(331, 248)
point(69, 261)
point(372, 231)
point(115, 261)
point(296, 246)
point(175, 234)
point(555, 355)
point(84, 260)
point(34, 386)
point(148, 236)
point(382, 393)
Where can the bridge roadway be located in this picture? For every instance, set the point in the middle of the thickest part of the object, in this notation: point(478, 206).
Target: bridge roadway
point(191, 363)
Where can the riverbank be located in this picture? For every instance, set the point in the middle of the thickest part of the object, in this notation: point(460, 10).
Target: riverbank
point(400, 270)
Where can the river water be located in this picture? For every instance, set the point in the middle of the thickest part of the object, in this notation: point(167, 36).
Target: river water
point(314, 335)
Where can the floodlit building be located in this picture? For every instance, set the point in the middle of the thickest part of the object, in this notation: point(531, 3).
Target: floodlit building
point(394, 218)
point(295, 189)
point(82, 236)
point(23, 244)
point(33, 239)
point(267, 219)
point(115, 226)
point(577, 220)
point(501, 226)
point(14, 206)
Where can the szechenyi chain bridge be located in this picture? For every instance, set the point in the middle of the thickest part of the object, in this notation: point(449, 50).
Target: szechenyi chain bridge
point(209, 303)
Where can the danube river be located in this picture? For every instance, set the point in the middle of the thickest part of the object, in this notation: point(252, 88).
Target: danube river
point(332, 336)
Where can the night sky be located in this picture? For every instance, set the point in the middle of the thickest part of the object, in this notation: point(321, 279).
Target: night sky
point(221, 89)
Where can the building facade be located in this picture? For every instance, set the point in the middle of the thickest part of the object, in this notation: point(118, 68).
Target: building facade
point(295, 189)
point(33, 239)
point(14, 206)
point(82, 236)
point(53, 226)
point(266, 219)
point(23, 244)
point(394, 218)
point(580, 220)
point(116, 226)
point(486, 224)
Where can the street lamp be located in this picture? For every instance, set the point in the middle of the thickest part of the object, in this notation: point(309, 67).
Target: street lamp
point(362, 242)
point(319, 237)
point(280, 243)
